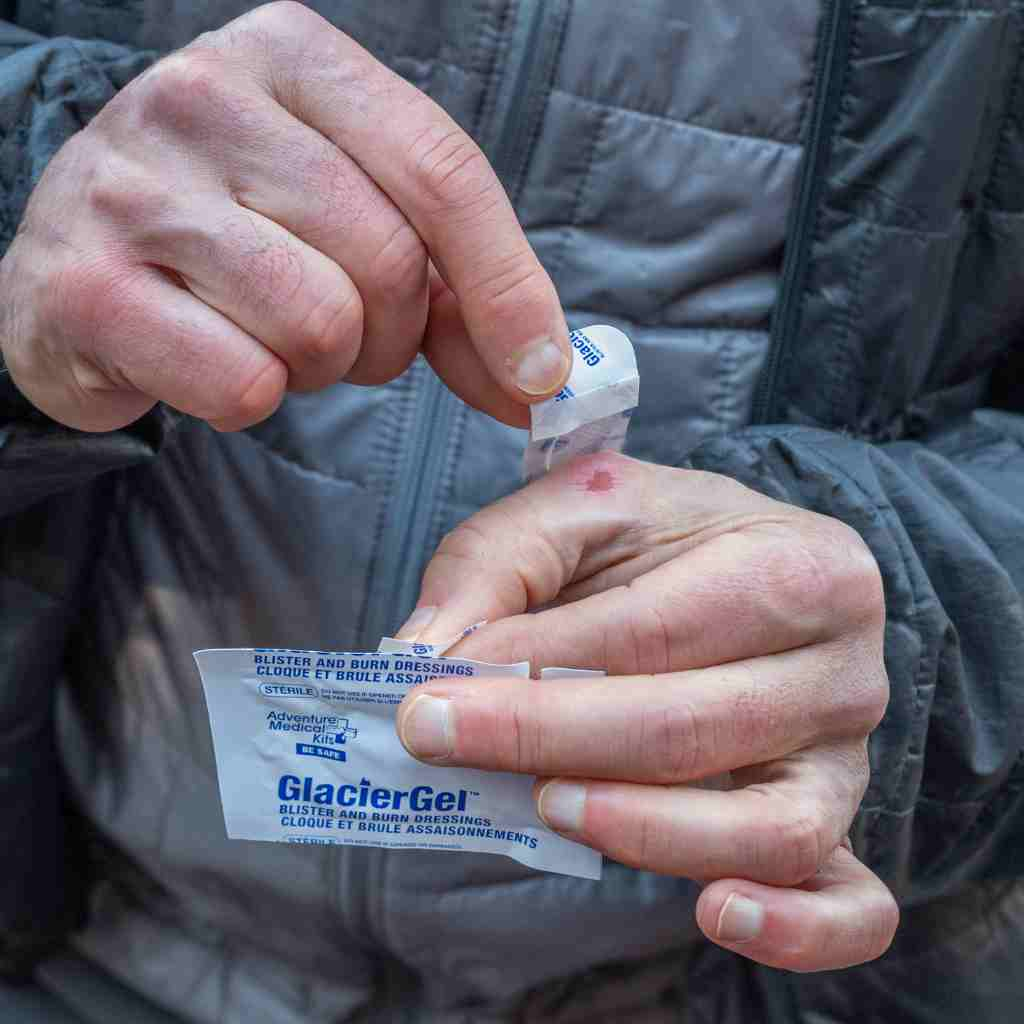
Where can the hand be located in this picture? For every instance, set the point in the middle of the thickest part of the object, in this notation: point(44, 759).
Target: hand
point(271, 208)
point(740, 635)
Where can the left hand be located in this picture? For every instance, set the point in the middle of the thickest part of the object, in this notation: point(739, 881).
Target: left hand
point(739, 634)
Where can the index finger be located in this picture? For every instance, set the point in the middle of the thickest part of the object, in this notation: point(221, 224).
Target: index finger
point(660, 729)
point(439, 178)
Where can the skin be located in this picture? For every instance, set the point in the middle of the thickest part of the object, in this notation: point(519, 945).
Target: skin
point(269, 208)
point(740, 635)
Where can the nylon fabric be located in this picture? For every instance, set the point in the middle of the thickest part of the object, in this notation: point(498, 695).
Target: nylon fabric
point(664, 152)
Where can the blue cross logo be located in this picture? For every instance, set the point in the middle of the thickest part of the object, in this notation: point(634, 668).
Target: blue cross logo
point(347, 732)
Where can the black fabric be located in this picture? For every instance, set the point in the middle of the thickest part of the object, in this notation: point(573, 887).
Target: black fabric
point(30, 1004)
point(944, 520)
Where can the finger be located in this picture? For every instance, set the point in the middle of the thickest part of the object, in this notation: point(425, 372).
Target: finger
point(195, 359)
point(438, 177)
point(777, 831)
point(651, 729)
point(521, 552)
point(449, 350)
point(685, 592)
point(842, 916)
point(289, 296)
point(294, 176)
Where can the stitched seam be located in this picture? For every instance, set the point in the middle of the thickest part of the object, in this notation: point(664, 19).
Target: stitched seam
point(1014, 784)
point(669, 122)
point(616, 314)
point(387, 454)
point(904, 812)
point(844, 113)
point(446, 490)
point(433, 61)
point(804, 116)
point(725, 397)
point(989, 811)
point(844, 332)
point(804, 223)
point(557, 261)
point(498, 53)
point(1001, 159)
point(519, 178)
point(977, 12)
point(847, 347)
point(300, 467)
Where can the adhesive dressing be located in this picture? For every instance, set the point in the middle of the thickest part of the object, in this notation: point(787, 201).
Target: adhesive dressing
point(305, 741)
point(591, 413)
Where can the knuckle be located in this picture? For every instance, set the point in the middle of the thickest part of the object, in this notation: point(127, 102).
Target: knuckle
point(332, 327)
point(281, 14)
point(834, 940)
point(471, 545)
point(399, 270)
point(859, 696)
point(520, 743)
point(795, 844)
point(651, 639)
point(825, 577)
point(875, 701)
point(646, 843)
point(758, 714)
point(800, 577)
point(336, 201)
point(860, 581)
point(253, 397)
point(466, 542)
point(451, 169)
point(858, 771)
point(92, 296)
point(129, 199)
point(668, 743)
point(885, 919)
point(269, 275)
point(181, 90)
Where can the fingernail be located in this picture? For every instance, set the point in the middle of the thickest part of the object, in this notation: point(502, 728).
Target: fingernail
point(560, 806)
point(416, 623)
point(538, 367)
point(427, 728)
point(740, 919)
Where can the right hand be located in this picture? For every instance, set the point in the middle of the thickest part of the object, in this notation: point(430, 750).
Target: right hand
point(271, 208)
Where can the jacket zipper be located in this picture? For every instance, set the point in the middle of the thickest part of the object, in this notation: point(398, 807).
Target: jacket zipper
point(515, 112)
point(833, 46)
point(413, 514)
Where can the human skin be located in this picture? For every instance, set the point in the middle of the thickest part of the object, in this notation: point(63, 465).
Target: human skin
point(740, 635)
point(271, 208)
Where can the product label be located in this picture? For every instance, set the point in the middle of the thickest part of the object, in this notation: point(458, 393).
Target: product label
point(591, 413)
point(305, 741)
point(307, 752)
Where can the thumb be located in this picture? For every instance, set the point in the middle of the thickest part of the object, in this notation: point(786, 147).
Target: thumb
point(449, 349)
point(522, 551)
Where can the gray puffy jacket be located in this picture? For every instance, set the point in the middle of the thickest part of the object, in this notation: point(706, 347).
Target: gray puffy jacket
point(809, 216)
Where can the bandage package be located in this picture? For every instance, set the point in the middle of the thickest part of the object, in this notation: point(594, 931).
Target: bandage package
point(307, 752)
point(305, 741)
point(591, 413)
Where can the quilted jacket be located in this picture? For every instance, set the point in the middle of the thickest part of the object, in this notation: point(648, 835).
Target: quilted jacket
point(809, 216)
